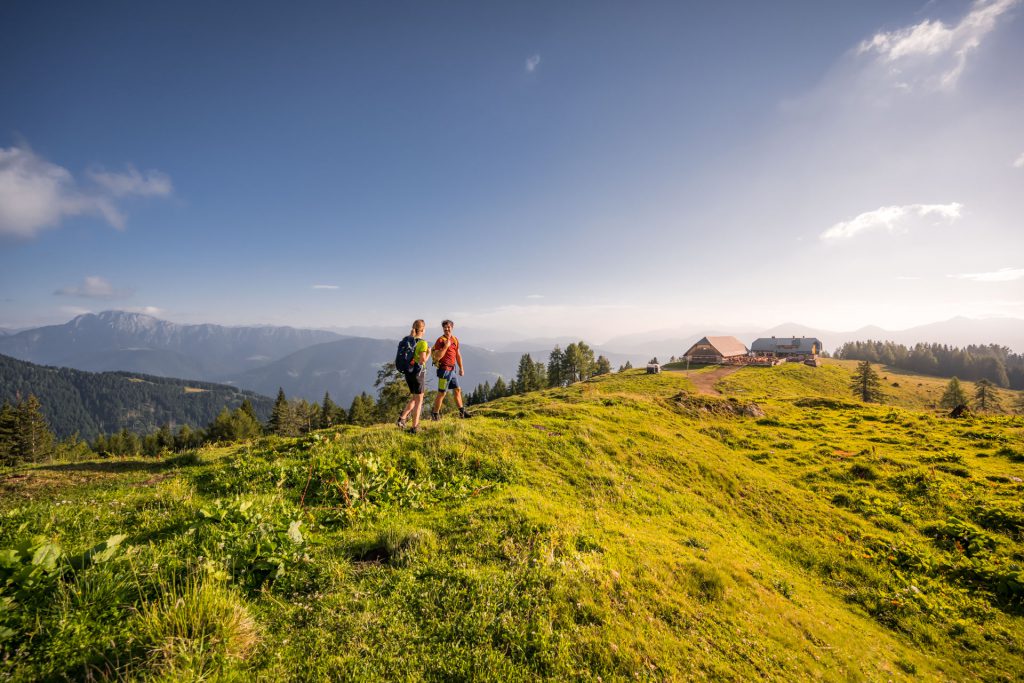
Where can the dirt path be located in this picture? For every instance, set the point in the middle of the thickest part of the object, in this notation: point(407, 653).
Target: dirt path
point(705, 382)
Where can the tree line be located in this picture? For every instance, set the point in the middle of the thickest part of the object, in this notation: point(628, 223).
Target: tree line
point(991, 362)
point(564, 367)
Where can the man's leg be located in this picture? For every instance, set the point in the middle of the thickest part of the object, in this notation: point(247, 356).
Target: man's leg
point(436, 410)
point(410, 406)
point(417, 409)
point(458, 397)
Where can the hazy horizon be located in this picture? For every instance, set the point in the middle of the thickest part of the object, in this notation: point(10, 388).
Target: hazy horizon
point(562, 170)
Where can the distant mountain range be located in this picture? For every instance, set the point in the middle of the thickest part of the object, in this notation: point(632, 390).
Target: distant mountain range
point(88, 403)
point(116, 340)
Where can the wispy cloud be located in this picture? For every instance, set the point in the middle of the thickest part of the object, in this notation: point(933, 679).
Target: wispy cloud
point(94, 287)
point(326, 287)
point(1001, 275)
point(36, 194)
point(154, 311)
point(532, 62)
point(892, 219)
point(131, 182)
point(932, 53)
point(1019, 163)
point(534, 296)
point(908, 277)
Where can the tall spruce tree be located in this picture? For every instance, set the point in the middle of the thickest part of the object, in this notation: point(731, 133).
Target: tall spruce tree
point(603, 366)
point(865, 383)
point(280, 417)
point(362, 410)
point(33, 441)
point(530, 376)
point(556, 368)
point(954, 395)
point(985, 396)
point(329, 412)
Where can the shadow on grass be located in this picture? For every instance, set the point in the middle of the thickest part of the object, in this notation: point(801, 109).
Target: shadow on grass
point(114, 466)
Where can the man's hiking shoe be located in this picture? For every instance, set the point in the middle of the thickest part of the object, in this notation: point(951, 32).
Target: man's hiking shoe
point(435, 416)
point(401, 423)
point(465, 415)
point(413, 430)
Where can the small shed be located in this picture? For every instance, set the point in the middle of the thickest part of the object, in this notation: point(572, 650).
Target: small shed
point(786, 347)
point(715, 350)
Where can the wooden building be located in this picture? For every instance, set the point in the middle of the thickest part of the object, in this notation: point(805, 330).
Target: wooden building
point(716, 350)
point(786, 347)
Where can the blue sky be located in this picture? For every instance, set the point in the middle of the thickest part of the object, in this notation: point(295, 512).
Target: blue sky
point(587, 168)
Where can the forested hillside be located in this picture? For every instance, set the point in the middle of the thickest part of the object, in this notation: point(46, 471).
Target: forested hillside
point(92, 403)
point(995, 363)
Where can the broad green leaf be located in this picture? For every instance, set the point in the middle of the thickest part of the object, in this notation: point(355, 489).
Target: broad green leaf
point(9, 558)
point(293, 532)
point(46, 556)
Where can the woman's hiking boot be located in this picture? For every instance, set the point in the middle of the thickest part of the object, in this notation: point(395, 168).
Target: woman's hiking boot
point(401, 423)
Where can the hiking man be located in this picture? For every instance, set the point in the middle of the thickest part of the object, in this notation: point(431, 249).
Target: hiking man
point(411, 361)
point(447, 356)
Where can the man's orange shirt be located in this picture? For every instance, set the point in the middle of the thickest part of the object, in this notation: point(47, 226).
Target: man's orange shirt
point(448, 359)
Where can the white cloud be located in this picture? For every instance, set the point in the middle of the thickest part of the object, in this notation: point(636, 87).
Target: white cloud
point(131, 182)
point(326, 287)
point(36, 194)
point(154, 311)
point(94, 287)
point(532, 62)
point(1001, 275)
point(1019, 163)
point(931, 52)
point(534, 296)
point(892, 219)
point(908, 277)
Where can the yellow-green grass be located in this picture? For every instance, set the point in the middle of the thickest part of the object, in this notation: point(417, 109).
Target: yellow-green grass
point(620, 528)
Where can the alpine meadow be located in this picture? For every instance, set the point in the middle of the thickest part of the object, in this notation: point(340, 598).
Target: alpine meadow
point(623, 527)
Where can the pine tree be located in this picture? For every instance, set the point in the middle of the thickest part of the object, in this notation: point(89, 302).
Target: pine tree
point(362, 410)
point(985, 396)
point(954, 395)
point(280, 416)
point(556, 365)
point(865, 383)
point(530, 376)
point(328, 412)
point(499, 390)
point(33, 439)
point(603, 366)
point(249, 410)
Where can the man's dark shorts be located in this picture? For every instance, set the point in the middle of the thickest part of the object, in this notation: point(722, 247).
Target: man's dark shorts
point(416, 379)
point(447, 379)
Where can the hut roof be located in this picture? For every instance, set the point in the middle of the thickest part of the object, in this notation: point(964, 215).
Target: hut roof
point(727, 346)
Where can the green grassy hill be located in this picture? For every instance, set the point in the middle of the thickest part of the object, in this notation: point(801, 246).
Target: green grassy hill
point(621, 528)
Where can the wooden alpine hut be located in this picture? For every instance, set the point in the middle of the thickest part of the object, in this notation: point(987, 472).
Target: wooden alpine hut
point(787, 347)
point(716, 350)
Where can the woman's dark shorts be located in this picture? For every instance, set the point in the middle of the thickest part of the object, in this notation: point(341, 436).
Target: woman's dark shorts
point(416, 379)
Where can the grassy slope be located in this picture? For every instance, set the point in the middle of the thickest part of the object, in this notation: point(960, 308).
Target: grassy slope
point(621, 527)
